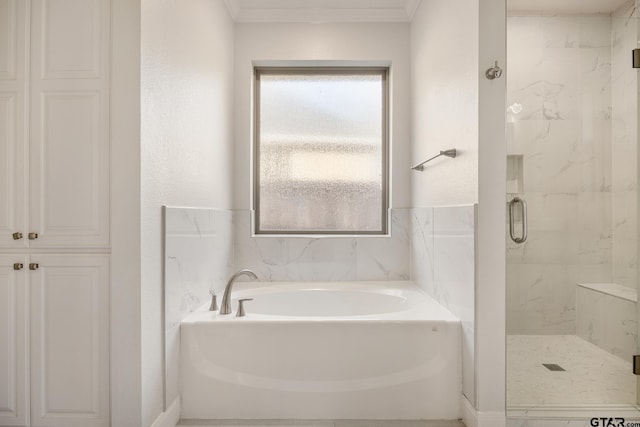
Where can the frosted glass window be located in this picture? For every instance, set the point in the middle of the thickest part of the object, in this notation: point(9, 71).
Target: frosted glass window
point(321, 151)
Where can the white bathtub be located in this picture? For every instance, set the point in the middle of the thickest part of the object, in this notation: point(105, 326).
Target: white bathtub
point(350, 350)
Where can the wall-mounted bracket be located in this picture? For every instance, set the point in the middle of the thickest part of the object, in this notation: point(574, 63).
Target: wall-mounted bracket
point(494, 72)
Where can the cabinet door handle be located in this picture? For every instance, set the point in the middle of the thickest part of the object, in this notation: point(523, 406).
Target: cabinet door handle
point(17, 236)
point(33, 236)
point(34, 266)
point(18, 266)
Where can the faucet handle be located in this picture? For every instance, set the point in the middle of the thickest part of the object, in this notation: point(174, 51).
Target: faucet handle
point(240, 312)
point(214, 301)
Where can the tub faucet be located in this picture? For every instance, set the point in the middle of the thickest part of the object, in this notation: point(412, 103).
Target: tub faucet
point(225, 307)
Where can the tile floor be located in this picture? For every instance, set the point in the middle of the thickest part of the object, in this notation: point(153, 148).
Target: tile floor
point(592, 376)
point(305, 423)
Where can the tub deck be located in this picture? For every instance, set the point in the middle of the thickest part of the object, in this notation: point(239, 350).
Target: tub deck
point(407, 303)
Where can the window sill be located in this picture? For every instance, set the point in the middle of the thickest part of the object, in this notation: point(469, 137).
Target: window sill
point(320, 236)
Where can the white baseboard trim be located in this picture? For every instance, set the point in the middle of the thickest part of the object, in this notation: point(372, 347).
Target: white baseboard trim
point(170, 417)
point(473, 418)
point(570, 412)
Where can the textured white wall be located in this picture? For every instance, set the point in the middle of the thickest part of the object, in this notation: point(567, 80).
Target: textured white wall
point(453, 105)
point(444, 101)
point(380, 43)
point(186, 147)
point(125, 215)
point(490, 221)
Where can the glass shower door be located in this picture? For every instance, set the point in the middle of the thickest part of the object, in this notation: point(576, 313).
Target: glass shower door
point(572, 132)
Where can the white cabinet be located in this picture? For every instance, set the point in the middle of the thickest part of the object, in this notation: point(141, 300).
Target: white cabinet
point(13, 341)
point(54, 197)
point(14, 76)
point(54, 326)
point(69, 340)
point(62, 151)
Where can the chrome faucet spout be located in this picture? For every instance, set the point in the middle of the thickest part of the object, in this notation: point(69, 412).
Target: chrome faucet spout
point(225, 306)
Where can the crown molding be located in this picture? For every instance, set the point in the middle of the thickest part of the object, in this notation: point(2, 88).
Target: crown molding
point(233, 7)
point(552, 7)
point(410, 8)
point(401, 11)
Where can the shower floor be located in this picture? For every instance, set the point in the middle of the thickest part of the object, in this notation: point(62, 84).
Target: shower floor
point(591, 376)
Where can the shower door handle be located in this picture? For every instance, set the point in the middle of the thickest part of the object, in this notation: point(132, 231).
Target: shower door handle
point(512, 208)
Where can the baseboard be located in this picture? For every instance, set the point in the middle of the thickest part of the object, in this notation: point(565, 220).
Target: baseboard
point(572, 412)
point(170, 417)
point(473, 418)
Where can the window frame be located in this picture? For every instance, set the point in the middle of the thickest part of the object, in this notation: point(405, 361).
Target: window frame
point(383, 72)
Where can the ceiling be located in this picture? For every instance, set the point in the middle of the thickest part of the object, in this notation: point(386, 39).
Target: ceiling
point(318, 11)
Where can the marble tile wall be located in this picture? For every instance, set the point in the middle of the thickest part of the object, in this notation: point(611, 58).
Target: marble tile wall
point(198, 256)
point(608, 320)
point(559, 119)
point(443, 264)
point(624, 143)
point(325, 258)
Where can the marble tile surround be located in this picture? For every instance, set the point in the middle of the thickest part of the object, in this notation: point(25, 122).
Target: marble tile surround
point(203, 247)
point(607, 318)
point(324, 258)
point(580, 178)
point(443, 264)
point(198, 256)
point(560, 77)
point(434, 247)
point(625, 35)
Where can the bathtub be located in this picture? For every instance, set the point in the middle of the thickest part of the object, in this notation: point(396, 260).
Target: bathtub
point(335, 350)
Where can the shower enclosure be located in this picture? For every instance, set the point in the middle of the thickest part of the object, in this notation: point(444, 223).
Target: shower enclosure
point(572, 201)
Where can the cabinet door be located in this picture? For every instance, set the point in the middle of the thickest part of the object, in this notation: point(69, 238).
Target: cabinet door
point(13, 342)
point(69, 341)
point(69, 111)
point(13, 135)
